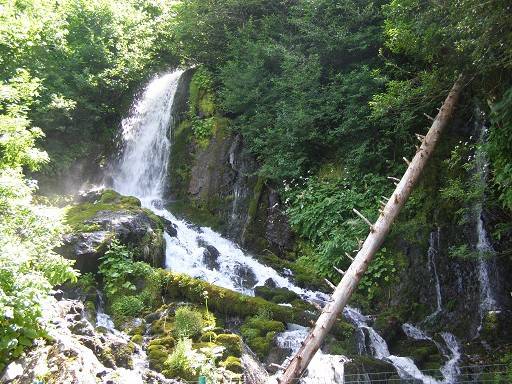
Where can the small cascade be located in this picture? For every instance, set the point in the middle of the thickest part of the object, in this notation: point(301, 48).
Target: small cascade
point(405, 366)
point(242, 168)
point(140, 372)
point(432, 253)
point(487, 270)
point(323, 368)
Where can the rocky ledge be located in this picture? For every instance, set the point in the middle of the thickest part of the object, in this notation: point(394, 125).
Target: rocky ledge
point(99, 217)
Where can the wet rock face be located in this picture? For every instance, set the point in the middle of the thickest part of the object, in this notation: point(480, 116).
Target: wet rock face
point(86, 249)
point(278, 231)
point(210, 255)
point(169, 227)
point(247, 278)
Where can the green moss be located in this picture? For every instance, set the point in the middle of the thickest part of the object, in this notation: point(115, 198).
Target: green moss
point(75, 216)
point(231, 342)
point(255, 200)
point(162, 326)
point(197, 213)
point(276, 295)
point(303, 276)
point(167, 342)
point(208, 336)
point(260, 332)
point(233, 364)
point(224, 301)
point(137, 339)
point(157, 355)
point(201, 98)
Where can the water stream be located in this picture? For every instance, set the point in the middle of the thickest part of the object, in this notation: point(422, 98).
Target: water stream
point(142, 172)
point(487, 270)
point(432, 253)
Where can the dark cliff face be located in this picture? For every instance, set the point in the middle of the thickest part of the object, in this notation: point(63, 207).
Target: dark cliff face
point(213, 181)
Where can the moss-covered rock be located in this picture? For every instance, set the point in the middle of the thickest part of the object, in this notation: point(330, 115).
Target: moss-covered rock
point(232, 344)
point(276, 295)
point(259, 333)
point(93, 224)
point(233, 364)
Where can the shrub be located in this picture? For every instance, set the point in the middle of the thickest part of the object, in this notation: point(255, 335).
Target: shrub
point(179, 363)
point(188, 322)
point(127, 306)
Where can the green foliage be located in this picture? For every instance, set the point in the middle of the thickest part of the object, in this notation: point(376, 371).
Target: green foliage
point(88, 57)
point(188, 322)
point(122, 282)
point(29, 267)
point(500, 147)
point(381, 272)
point(127, 306)
point(179, 363)
point(320, 210)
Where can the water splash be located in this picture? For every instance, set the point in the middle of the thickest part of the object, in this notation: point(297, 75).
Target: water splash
point(323, 368)
point(405, 366)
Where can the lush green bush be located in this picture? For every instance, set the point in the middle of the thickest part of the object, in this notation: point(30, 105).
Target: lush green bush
point(179, 363)
point(188, 322)
point(29, 267)
point(130, 287)
point(500, 147)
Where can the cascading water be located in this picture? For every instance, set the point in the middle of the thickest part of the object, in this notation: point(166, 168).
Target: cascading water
point(432, 254)
point(323, 368)
point(142, 172)
point(487, 269)
point(405, 366)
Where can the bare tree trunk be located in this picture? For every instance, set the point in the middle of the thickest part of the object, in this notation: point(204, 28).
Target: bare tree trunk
point(378, 232)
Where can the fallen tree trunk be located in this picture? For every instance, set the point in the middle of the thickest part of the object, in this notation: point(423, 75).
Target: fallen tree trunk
point(371, 245)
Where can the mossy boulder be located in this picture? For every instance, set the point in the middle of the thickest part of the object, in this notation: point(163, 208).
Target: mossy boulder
point(260, 332)
point(232, 344)
point(233, 364)
point(157, 355)
point(276, 295)
point(95, 221)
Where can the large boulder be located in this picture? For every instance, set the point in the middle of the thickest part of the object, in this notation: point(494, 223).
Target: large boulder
point(98, 218)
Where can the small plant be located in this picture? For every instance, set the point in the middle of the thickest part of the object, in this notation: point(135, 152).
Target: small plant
point(179, 363)
point(188, 322)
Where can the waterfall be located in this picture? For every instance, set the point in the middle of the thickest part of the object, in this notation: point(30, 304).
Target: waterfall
point(487, 271)
point(142, 169)
point(142, 172)
point(432, 253)
point(205, 254)
point(405, 366)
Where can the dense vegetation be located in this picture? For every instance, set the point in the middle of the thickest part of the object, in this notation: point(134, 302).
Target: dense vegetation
point(327, 96)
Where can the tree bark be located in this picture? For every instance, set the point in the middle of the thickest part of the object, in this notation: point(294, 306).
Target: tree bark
point(371, 245)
